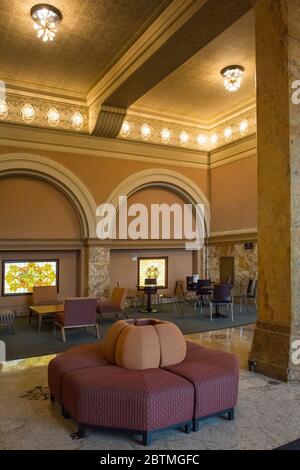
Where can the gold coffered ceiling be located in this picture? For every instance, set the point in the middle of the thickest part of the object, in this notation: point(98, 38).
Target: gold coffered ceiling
point(92, 35)
point(195, 92)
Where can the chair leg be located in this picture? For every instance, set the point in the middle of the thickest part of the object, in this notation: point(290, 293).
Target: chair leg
point(210, 313)
point(97, 330)
point(63, 333)
point(232, 312)
point(241, 305)
point(147, 438)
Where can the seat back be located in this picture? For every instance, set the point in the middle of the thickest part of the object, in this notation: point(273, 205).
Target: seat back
point(222, 293)
point(202, 283)
point(118, 297)
point(189, 283)
point(44, 295)
point(80, 311)
point(251, 289)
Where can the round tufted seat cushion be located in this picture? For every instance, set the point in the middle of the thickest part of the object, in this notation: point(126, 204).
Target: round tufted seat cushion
point(144, 344)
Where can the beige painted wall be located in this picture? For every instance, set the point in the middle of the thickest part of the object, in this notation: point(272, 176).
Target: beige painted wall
point(102, 174)
point(33, 209)
point(159, 196)
point(125, 271)
point(234, 195)
point(68, 261)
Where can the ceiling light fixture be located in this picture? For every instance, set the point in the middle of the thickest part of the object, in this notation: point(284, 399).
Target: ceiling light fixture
point(46, 20)
point(184, 138)
point(244, 126)
point(28, 113)
point(165, 134)
point(126, 128)
point(77, 120)
point(201, 139)
point(3, 109)
point(232, 77)
point(146, 131)
point(228, 133)
point(53, 117)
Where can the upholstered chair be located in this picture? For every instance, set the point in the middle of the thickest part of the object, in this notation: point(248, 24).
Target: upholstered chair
point(115, 304)
point(79, 312)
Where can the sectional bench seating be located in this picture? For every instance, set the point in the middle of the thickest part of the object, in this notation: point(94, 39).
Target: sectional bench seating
point(97, 392)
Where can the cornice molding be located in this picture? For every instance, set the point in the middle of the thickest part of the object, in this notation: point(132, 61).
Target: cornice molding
point(233, 236)
point(247, 147)
point(42, 139)
point(170, 20)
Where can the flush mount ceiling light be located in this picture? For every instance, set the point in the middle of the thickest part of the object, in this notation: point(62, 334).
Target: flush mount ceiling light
point(28, 113)
point(77, 120)
point(146, 131)
point(46, 20)
point(232, 77)
point(53, 117)
point(126, 128)
point(184, 138)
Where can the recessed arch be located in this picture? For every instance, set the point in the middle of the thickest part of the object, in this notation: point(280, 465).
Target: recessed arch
point(12, 164)
point(162, 178)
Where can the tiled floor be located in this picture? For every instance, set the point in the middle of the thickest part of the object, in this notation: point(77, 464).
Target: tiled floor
point(236, 340)
point(267, 413)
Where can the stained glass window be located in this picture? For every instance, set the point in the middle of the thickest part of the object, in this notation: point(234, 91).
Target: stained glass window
point(19, 277)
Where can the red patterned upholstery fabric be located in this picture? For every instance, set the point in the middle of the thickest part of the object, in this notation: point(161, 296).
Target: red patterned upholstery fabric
point(192, 346)
point(141, 400)
point(88, 355)
point(215, 376)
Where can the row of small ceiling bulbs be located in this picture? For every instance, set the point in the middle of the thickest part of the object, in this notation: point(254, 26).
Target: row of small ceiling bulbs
point(28, 114)
point(202, 139)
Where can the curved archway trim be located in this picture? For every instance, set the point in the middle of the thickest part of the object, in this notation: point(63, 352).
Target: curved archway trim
point(12, 164)
point(160, 177)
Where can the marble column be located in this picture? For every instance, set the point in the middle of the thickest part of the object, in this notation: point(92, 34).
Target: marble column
point(278, 147)
point(97, 271)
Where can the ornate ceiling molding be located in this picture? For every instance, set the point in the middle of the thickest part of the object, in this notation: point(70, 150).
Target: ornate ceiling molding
point(52, 114)
point(141, 128)
point(106, 121)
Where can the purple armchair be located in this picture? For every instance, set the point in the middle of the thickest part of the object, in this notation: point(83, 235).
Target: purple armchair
point(115, 304)
point(79, 312)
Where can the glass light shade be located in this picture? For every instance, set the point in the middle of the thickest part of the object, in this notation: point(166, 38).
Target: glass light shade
point(201, 139)
point(53, 117)
point(232, 77)
point(126, 128)
point(184, 138)
point(244, 126)
point(228, 133)
point(28, 113)
point(46, 20)
point(214, 139)
point(3, 109)
point(146, 131)
point(165, 134)
point(77, 120)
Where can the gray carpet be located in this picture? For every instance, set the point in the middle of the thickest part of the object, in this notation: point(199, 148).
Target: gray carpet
point(27, 342)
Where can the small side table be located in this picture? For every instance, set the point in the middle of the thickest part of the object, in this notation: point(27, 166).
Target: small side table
point(7, 318)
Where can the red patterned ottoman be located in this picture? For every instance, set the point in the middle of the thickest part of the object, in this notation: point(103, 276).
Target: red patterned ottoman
point(215, 377)
point(136, 401)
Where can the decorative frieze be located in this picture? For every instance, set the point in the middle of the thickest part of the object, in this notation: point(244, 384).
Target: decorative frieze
point(19, 109)
point(156, 131)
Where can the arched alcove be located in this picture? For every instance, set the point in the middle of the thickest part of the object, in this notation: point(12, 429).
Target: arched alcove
point(14, 164)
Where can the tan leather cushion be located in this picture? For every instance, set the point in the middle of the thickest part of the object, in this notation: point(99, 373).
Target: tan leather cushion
point(138, 348)
point(172, 344)
point(110, 340)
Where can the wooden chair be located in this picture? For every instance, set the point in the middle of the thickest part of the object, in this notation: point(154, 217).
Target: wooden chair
point(44, 295)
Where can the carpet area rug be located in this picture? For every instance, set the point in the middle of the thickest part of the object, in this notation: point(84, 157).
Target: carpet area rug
point(267, 415)
point(27, 342)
